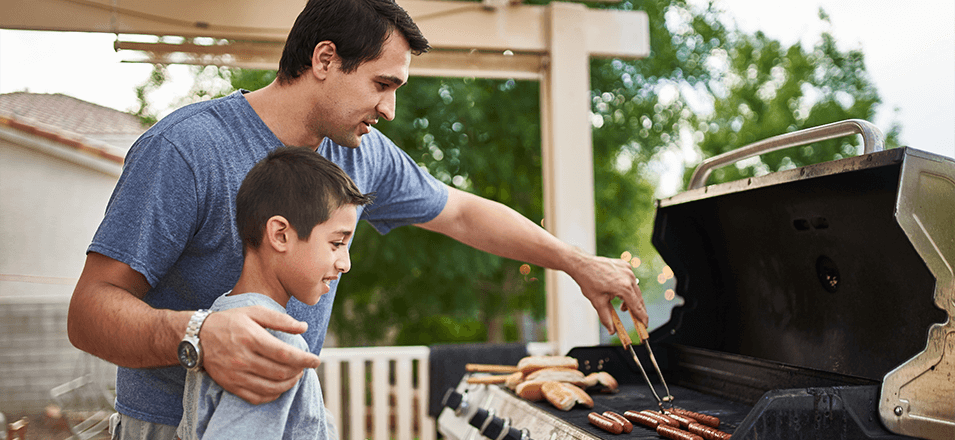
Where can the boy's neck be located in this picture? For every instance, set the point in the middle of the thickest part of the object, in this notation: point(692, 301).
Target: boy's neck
point(256, 277)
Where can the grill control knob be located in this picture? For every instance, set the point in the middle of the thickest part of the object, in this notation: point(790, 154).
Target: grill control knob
point(495, 428)
point(452, 399)
point(512, 433)
point(480, 419)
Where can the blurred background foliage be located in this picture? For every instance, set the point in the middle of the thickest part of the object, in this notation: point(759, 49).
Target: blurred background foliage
point(706, 88)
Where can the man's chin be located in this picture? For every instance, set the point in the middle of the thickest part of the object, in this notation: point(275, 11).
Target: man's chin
point(350, 142)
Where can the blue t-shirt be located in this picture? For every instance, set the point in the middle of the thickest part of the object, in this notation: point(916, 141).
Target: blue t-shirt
point(172, 218)
point(211, 412)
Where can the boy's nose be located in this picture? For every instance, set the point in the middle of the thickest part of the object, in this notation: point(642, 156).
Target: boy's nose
point(344, 263)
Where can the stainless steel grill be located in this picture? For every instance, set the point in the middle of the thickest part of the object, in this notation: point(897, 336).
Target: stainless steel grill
point(818, 303)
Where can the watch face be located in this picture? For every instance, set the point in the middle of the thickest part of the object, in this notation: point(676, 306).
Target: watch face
point(188, 356)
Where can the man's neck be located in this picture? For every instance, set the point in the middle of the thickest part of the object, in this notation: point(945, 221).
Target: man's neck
point(284, 109)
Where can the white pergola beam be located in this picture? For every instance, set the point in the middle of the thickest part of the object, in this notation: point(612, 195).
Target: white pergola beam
point(447, 24)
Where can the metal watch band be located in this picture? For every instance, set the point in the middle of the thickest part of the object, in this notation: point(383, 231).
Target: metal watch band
point(195, 323)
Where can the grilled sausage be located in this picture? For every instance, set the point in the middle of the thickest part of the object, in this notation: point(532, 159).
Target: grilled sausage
point(684, 421)
point(627, 426)
point(676, 433)
point(642, 419)
point(707, 432)
point(607, 424)
point(701, 418)
point(663, 419)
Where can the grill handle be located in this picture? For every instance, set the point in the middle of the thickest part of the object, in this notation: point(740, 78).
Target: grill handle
point(872, 140)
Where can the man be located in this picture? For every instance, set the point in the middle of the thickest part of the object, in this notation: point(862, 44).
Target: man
point(168, 246)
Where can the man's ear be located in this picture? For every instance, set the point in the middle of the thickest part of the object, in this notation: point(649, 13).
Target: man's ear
point(322, 57)
point(278, 233)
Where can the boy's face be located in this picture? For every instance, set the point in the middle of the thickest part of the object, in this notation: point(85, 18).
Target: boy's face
point(312, 265)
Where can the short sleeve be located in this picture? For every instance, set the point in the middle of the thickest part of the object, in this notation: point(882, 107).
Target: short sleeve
point(152, 212)
point(405, 193)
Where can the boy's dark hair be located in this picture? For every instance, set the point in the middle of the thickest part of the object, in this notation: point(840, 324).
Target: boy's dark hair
point(358, 28)
point(298, 184)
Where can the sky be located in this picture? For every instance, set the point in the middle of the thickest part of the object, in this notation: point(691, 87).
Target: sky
point(909, 49)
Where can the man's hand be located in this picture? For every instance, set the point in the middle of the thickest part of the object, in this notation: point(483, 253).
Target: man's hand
point(246, 360)
point(601, 279)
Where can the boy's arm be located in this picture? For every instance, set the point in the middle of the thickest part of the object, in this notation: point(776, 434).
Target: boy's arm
point(109, 319)
point(493, 227)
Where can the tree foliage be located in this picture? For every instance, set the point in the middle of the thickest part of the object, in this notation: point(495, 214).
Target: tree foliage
point(706, 88)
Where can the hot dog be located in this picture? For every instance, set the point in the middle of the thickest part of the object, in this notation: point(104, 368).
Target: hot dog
point(607, 424)
point(627, 426)
point(663, 419)
point(684, 421)
point(676, 433)
point(642, 419)
point(707, 432)
point(702, 418)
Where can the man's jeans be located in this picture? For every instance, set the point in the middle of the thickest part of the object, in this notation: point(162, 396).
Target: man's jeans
point(127, 428)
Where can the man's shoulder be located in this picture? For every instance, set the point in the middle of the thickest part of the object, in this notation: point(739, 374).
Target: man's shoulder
point(204, 115)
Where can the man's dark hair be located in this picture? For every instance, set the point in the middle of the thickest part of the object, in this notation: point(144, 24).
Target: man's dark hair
point(358, 28)
point(298, 184)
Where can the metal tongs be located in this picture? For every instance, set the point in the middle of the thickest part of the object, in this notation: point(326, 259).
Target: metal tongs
point(628, 344)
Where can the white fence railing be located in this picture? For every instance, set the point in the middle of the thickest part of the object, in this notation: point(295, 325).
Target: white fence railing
point(394, 406)
point(382, 393)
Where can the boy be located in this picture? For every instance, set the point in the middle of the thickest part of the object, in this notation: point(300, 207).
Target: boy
point(296, 212)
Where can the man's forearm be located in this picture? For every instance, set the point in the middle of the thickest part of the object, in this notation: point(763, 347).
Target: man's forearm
point(497, 229)
point(111, 322)
point(124, 330)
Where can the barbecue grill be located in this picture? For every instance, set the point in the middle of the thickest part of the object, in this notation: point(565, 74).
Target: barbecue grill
point(818, 303)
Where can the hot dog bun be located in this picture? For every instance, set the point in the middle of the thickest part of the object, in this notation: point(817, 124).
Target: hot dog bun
point(564, 395)
point(530, 364)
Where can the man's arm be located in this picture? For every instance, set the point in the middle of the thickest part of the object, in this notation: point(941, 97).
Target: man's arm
point(493, 227)
point(109, 319)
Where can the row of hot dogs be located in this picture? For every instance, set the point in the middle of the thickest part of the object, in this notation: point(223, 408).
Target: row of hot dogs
point(675, 423)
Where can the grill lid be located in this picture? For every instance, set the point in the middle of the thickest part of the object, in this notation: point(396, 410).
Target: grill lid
point(844, 266)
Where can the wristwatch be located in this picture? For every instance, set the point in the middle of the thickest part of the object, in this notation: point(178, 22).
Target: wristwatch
point(190, 351)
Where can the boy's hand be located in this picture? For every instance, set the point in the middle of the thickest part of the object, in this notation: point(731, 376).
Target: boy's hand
point(248, 361)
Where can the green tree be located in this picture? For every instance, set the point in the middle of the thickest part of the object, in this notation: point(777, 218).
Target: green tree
point(706, 88)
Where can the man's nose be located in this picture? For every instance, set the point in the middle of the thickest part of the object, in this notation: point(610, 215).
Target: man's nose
point(386, 108)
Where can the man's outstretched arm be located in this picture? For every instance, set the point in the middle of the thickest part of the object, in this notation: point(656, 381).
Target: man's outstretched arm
point(493, 227)
point(109, 319)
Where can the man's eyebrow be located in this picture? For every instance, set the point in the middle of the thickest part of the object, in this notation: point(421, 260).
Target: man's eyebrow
point(344, 232)
point(394, 80)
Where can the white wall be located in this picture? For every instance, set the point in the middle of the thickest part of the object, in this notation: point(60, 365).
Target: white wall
point(50, 207)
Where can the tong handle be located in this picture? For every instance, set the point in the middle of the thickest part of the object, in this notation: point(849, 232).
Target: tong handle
point(641, 329)
point(621, 330)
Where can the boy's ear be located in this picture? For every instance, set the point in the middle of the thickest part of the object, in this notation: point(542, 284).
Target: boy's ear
point(322, 56)
point(278, 233)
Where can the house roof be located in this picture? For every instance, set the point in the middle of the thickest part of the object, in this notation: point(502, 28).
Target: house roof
point(69, 113)
point(74, 123)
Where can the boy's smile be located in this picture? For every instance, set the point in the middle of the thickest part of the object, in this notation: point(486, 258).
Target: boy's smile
point(312, 265)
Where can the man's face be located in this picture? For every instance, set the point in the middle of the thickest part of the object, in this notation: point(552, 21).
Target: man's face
point(354, 101)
